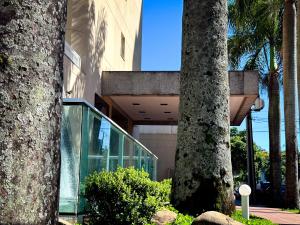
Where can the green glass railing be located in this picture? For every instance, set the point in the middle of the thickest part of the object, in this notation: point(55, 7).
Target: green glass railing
point(90, 142)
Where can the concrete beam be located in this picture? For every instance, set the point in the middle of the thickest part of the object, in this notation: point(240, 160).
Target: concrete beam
point(155, 122)
point(116, 83)
point(238, 118)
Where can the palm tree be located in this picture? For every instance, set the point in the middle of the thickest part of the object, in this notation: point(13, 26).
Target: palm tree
point(256, 40)
point(31, 61)
point(289, 83)
point(203, 174)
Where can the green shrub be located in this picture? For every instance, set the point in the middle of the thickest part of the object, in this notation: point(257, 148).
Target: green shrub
point(183, 220)
point(124, 197)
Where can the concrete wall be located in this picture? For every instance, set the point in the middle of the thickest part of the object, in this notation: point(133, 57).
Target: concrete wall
point(163, 146)
point(150, 88)
point(161, 140)
point(94, 29)
point(167, 83)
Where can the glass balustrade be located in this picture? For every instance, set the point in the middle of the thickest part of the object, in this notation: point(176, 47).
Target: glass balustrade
point(92, 142)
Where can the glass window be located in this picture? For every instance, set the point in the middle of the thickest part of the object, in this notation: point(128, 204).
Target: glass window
point(90, 142)
point(70, 155)
point(116, 149)
point(99, 143)
point(128, 152)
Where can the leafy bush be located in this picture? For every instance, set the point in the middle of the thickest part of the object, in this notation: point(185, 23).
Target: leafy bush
point(183, 220)
point(124, 197)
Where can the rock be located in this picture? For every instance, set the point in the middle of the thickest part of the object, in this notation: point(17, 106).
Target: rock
point(214, 218)
point(63, 222)
point(163, 217)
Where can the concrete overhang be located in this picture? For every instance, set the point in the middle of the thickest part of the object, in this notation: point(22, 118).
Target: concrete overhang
point(153, 97)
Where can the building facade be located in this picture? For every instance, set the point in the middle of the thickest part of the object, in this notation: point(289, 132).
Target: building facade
point(102, 67)
point(101, 35)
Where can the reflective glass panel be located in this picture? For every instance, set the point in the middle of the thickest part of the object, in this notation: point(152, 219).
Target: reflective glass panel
point(70, 155)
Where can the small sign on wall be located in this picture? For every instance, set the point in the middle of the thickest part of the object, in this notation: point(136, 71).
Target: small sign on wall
point(72, 55)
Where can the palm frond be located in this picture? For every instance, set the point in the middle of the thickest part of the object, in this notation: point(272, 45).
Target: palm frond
point(241, 45)
point(255, 27)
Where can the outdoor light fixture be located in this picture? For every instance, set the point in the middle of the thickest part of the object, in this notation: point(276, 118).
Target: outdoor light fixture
point(245, 191)
point(259, 104)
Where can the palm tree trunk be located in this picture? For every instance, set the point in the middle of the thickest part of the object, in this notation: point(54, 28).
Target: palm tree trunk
point(274, 130)
point(289, 82)
point(31, 51)
point(203, 174)
point(274, 138)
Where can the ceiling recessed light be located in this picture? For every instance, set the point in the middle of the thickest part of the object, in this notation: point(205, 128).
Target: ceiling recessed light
point(142, 112)
point(135, 103)
point(167, 112)
point(163, 104)
point(147, 118)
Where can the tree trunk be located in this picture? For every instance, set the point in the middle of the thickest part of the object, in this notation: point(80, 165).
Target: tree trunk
point(203, 174)
point(31, 54)
point(274, 131)
point(298, 71)
point(289, 83)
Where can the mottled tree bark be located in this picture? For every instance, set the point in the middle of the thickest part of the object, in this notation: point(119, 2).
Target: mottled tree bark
point(298, 72)
point(289, 84)
point(274, 131)
point(31, 54)
point(203, 174)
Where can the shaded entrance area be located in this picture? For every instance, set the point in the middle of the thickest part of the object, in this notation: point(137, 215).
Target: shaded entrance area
point(150, 102)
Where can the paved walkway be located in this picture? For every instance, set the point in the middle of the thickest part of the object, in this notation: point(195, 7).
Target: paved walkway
point(276, 215)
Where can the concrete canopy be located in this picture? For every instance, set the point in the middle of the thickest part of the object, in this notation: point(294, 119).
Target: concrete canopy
point(152, 98)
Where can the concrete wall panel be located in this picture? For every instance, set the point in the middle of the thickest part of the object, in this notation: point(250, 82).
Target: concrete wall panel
point(94, 30)
point(167, 83)
point(163, 146)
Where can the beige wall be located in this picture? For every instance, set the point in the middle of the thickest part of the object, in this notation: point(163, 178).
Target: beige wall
point(163, 146)
point(94, 30)
point(161, 141)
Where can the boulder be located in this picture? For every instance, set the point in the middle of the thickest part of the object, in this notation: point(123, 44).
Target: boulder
point(214, 218)
point(63, 222)
point(163, 217)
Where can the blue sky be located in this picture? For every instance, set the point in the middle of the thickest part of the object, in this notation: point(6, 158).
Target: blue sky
point(161, 48)
point(161, 51)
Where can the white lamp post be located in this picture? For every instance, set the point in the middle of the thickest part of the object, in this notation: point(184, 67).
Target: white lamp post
point(245, 191)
